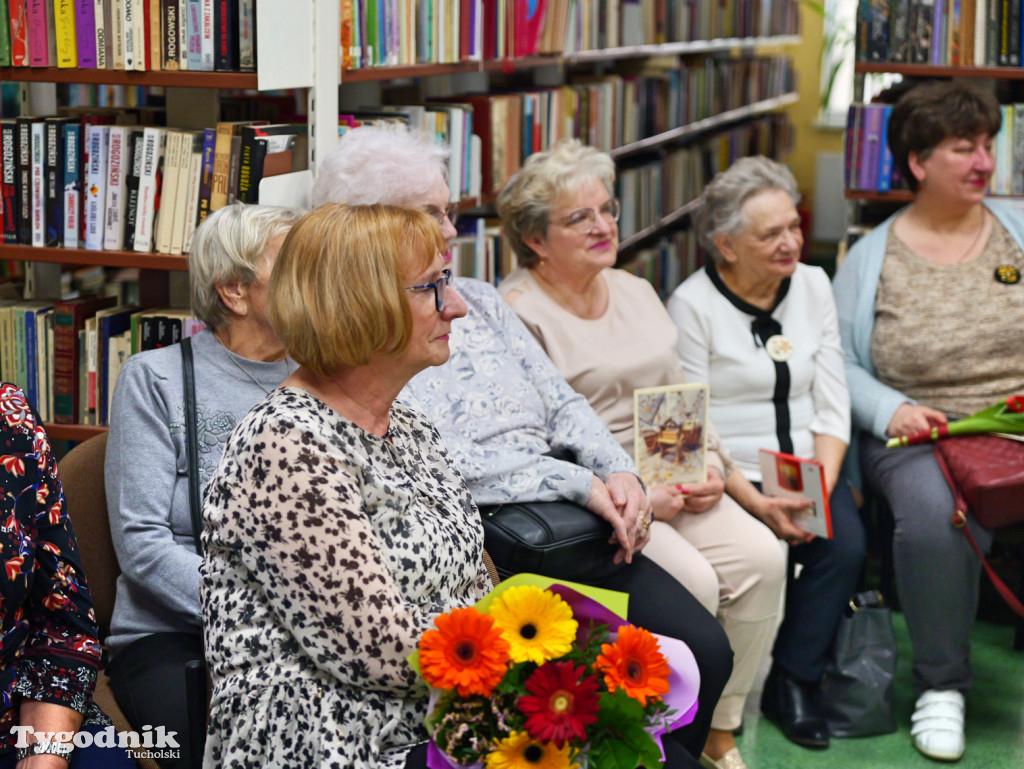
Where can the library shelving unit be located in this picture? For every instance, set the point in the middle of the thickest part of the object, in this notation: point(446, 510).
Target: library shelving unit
point(190, 96)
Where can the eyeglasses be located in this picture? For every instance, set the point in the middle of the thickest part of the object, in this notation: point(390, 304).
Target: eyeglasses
point(440, 287)
point(583, 221)
point(451, 214)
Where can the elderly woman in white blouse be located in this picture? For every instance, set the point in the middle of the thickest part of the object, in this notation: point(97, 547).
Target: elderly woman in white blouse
point(761, 329)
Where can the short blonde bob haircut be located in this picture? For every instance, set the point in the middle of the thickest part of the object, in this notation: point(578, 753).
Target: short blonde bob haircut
point(545, 180)
point(337, 293)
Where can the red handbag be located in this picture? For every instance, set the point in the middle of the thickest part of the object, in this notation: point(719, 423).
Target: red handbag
point(986, 475)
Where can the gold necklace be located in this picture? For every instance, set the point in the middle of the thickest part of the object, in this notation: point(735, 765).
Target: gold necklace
point(977, 236)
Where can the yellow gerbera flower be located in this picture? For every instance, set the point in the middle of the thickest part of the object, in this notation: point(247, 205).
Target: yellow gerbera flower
point(537, 624)
point(520, 751)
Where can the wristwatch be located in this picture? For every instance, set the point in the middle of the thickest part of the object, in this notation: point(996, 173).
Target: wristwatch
point(52, 748)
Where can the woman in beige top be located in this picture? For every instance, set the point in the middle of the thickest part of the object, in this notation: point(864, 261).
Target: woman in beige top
point(608, 333)
point(931, 306)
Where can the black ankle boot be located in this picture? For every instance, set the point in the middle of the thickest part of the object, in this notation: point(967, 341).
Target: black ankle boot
point(789, 704)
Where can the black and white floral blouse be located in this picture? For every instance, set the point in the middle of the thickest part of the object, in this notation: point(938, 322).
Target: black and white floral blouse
point(49, 650)
point(329, 551)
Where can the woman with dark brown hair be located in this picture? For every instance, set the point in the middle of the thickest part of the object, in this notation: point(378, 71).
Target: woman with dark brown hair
point(930, 311)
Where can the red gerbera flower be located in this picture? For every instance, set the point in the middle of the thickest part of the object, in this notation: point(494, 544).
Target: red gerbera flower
point(465, 652)
point(635, 663)
point(560, 704)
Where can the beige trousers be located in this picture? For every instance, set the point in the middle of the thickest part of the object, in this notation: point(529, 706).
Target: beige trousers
point(733, 564)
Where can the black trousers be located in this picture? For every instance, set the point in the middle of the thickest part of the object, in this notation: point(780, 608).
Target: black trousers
point(147, 678)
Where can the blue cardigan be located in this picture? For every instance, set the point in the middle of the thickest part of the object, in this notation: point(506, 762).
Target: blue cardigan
point(855, 287)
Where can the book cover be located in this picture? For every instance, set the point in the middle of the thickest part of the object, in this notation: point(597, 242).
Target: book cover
point(69, 320)
point(9, 189)
point(96, 139)
point(153, 142)
point(85, 33)
point(66, 43)
point(669, 435)
point(54, 173)
point(118, 161)
point(18, 10)
point(206, 176)
point(72, 183)
point(783, 475)
point(38, 183)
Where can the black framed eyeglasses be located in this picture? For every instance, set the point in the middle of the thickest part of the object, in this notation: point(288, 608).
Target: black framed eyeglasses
point(583, 220)
point(440, 287)
point(451, 213)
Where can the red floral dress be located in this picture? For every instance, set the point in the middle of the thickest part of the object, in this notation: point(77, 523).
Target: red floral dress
point(48, 638)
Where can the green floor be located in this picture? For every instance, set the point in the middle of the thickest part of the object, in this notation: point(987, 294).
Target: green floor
point(995, 718)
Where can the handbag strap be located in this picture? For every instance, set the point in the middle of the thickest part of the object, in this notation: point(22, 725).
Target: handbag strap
point(192, 441)
point(959, 521)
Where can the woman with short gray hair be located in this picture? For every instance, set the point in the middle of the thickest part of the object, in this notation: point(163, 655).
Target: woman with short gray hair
point(760, 328)
point(156, 625)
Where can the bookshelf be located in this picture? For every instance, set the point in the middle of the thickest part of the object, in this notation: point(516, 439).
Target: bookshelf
point(312, 60)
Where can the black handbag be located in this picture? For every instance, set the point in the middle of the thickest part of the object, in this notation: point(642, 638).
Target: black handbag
point(856, 692)
point(554, 539)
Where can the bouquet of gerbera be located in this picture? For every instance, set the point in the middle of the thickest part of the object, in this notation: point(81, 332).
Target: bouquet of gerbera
point(545, 675)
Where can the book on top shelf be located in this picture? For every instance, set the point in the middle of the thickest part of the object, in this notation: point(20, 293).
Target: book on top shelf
point(670, 434)
point(783, 475)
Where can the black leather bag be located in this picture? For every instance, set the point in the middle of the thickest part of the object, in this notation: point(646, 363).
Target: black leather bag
point(554, 539)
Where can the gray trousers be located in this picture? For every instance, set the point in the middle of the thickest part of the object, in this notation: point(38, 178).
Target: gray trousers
point(937, 573)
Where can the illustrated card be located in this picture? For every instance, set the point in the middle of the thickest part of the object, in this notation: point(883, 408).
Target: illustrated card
point(783, 475)
point(669, 433)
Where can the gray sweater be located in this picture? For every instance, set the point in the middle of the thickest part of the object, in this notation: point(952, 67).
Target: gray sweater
point(147, 477)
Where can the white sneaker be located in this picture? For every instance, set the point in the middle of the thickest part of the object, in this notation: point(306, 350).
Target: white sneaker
point(938, 725)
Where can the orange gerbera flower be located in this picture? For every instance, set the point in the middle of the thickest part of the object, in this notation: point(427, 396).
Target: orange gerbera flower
point(466, 652)
point(635, 663)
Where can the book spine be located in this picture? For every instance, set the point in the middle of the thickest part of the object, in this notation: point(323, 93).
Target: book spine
point(19, 32)
point(183, 34)
point(65, 365)
point(885, 153)
point(993, 21)
point(171, 34)
point(53, 168)
point(1017, 181)
point(247, 35)
point(899, 31)
point(155, 54)
point(195, 175)
point(131, 187)
point(151, 151)
point(206, 173)
point(168, 193)
point(67, 39)
point(191, 143)
point(85, 33)
point(116, 34)
point(140, 28)
point(246, 189)
point(221, 167)
point(5, 34)
point(38, 40)
point(130, 9)
point(117, 157)
point(206, 42)
point(194, 28)
point(1013, 29)
point(226, 35)
point(9, 190)
point(102, 44)
point(31, 378)
point(95, 185)
point(38, 184)
point(72, 188)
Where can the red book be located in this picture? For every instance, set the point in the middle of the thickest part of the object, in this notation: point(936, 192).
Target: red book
point(68, 319)
point(19, 32)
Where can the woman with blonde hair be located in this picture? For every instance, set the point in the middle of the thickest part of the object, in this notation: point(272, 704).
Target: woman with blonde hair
point(337, 528)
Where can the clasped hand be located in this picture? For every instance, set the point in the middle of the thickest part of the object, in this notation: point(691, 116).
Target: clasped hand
point(621, 501)
point(669, 501)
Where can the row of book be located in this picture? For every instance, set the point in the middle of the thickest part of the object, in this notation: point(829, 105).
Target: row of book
point(982, 33)
point(650, 192)
point(869, 165)
point(141, 35)
point(67, 354)
point(407, 32)
point(88, 182)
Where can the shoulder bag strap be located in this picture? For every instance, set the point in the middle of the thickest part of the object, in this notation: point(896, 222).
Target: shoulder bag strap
point(192, 441)
point(959, 521)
